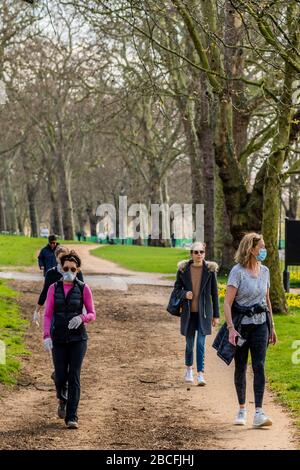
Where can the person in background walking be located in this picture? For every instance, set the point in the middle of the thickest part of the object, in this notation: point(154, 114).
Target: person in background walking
point(248, 292)
point(78, 235)
point(197, 278)
point(65, 334)
point(173, 240)
point(46, 258)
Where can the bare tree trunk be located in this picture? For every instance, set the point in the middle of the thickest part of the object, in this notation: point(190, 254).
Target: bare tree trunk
point(228, 250)
point(56, 219)
point(224, 250)
point(11, 216)
point(66, 202)
point(20, 224)
point(82, 218)
point(164, 197)
point(205, 132)
point(193, 152)
point(182, 87)
point(31, 196)
point(31, 191)
point(93, 220)
point(154, 186)
point(154, 198)
point(279, 153)
point(20, 211)
point(187, 111)
point(3, 226)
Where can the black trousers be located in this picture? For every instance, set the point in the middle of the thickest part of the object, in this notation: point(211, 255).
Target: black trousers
point(67, 359)
point(257, 342)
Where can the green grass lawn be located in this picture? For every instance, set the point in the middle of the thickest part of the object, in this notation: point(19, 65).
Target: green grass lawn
point(21, 251)
point(12, 329)
point(143, 258)
point(146, 258)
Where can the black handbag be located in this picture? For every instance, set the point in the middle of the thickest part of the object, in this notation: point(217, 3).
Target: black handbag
point(175, 303)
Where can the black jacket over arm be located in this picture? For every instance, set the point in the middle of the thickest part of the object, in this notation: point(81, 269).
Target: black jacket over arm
point(225, 350)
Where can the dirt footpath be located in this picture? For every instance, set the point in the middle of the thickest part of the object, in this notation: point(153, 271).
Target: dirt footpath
point(133, 396)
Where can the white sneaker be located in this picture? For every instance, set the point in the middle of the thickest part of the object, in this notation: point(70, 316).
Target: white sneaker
point(260, 420)
point(200, 380)
point(72, 425)
point(241, 417)
point(189, 378)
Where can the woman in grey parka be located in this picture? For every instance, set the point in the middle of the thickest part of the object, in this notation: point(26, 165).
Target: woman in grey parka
point(200, 308)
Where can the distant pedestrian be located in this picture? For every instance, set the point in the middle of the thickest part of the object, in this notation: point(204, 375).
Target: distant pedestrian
point(101, 237)
point(173, 240)
point(78, 234)
point(47, 258)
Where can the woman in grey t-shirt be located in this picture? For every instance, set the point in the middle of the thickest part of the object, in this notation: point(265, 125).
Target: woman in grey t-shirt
point(248, 284)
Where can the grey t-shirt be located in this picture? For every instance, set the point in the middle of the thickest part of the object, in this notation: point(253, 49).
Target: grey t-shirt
point(250, 290)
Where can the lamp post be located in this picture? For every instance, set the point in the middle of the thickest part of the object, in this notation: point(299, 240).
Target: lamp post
point(286, 274)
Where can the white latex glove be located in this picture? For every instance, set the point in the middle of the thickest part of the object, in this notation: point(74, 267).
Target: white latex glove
point(36, 317)
point(75, 322)
point(48, 344)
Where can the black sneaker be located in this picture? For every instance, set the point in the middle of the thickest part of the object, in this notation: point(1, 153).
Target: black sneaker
point(61, 410)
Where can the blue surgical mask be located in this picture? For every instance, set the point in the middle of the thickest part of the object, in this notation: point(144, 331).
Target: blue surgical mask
point(69, 276)
point(262, 254)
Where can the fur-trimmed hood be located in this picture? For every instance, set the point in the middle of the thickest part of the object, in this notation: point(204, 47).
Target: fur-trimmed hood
point(211, 265)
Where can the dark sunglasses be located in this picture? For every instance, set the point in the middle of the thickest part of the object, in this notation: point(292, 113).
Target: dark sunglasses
point(198, 252)
point(69, 269)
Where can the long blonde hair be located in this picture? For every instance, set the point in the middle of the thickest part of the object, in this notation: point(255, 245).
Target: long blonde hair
point(61, 249)
point(248, 242)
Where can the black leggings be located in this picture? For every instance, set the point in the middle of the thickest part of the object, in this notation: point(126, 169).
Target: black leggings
point(257, 342)
point(67, 359)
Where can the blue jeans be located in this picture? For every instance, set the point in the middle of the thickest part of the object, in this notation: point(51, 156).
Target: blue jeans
point(200, 344)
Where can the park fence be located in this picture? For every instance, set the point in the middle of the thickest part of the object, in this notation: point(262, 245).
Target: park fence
point(178, 243)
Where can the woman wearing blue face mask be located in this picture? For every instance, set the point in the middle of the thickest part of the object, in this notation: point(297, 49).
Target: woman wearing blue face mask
point(65, 334)
point(247, 303)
